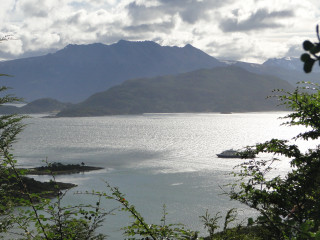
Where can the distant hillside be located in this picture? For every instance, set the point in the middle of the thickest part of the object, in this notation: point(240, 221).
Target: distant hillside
point(45, 105)
point(78, 71)
point(289, 69)
point(216, 90)
point(289, 63)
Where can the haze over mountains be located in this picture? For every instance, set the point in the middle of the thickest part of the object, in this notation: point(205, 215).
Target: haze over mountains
point(137, 77)
point(220, 89)
point(78, 71)
point(289, 69)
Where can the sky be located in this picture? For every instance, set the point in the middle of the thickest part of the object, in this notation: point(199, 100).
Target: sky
point(244, 30)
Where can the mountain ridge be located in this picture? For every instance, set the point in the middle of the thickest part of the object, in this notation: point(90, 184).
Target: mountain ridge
point(220, 89)
point(78, 71)
point(43, 105)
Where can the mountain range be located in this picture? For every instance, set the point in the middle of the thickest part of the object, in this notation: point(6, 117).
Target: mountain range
point(135, 77)
point(78, 71)
point(289, 69)
point(221, 89)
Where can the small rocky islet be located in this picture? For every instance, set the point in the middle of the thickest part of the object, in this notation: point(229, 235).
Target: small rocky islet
point(61, 169)
point(53, 188)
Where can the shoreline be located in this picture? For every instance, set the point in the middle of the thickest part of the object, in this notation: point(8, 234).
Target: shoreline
point(51, 189)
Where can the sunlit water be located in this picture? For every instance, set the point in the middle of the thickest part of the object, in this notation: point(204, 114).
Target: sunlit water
point(154, 159)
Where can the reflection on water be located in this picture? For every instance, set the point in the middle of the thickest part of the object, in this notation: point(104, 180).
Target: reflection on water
point(155, 159)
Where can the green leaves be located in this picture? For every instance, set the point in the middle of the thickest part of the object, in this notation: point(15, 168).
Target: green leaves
point(307, 45)
point(37, 217)
point(313, 48)
point(305, 57)
point(210, 223)
point(312, 56)
point(139, 227)
point(287, 203)
point(308, 64)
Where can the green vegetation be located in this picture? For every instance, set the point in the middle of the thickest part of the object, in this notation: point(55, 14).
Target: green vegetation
point(288, 205)
point(59, 168)
point(47, 189)
point(222, 89)
point(25, 206)
point(312, 56)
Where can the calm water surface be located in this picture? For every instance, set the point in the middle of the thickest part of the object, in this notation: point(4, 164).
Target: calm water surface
point(154, 159)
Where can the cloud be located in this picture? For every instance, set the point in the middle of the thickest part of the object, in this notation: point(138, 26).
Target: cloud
point(7, 8)
point(34, 9)
point(190, 11)
point(39, 8)
point(241, 47)
point(164, 27)
point(261, 19)
point(52, 24)
point(142, 13)
point(294, 51)
point(231, 49)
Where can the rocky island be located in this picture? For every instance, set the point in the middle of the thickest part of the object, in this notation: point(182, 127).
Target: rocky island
point(60, 169)
point(51, 189)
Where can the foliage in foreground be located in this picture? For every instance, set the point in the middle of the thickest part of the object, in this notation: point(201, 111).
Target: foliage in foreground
point(288, 205)
point(28, 215)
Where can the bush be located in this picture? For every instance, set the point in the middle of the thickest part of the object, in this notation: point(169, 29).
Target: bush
point(288, 205)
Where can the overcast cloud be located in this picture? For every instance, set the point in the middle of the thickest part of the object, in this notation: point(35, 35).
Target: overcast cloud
point(262, 19)
point(247, 30)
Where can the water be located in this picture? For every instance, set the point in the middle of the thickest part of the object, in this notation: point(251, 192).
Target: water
point(154, 159)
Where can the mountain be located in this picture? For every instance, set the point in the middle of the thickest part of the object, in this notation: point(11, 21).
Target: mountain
point(289, 69)
point(78, 71)
point(289, 63)
point(207, 90)
point(44, 105)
